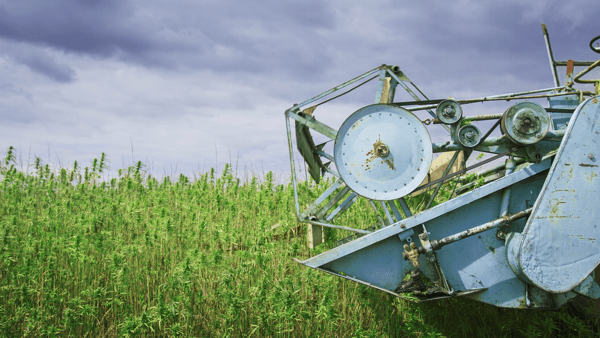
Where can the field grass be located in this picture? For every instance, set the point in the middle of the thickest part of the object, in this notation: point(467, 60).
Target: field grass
point(139, 257)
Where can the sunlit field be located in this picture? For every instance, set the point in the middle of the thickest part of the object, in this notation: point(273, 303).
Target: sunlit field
point(137, 256)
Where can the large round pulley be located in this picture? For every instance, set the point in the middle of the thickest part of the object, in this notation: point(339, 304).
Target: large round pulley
point(383, 152)
point(525, 123)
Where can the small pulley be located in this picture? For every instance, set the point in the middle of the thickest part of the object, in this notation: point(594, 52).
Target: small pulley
point(449, 111)
point(525, 123)
point(469, 136)
point(383, 152)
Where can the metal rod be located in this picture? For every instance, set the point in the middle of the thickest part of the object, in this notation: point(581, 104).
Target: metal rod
point(460, 172)
point(342, 207)
point(334, 89)
point(395, 210)
point(401, 83)
point(387, 212)
point(405, 207)
point(345, 190)
point(291, 149)
point(380, 85)
point(313, 207)
point(437, 244)
point(446, 171)
point(341, 227)
point(381, 222)
point(575, 63)
point(326, 155)
point(552, 135)
point(314, 124)
point(510, 167)
point(503, 97)
point(585, 71)
point(550, 55)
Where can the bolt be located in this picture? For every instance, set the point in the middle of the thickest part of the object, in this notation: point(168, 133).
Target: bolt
point(449, 111)
point(591, 156)
point(432, 259)
point(402, 226)
point(423, 236)
point(470, 135)
point(383, 150)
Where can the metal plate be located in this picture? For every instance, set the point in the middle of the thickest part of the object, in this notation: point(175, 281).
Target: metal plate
point(560, 240)
point(363, 168)
point(525, 123)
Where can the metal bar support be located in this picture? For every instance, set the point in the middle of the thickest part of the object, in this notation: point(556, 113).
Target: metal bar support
point(332, 202)
point(313, 207)
point(334, 89)
point(314, 124)
point(437, 244)
point(446, 171)
point(550, 55)
point(292, 163)
point(343, 207)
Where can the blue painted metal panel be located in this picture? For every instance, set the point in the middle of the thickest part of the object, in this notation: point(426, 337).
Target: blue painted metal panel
point(560, 244)
point(428, 215)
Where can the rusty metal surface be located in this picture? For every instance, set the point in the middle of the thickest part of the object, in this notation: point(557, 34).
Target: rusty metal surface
point(561, 240)
point(525, 123)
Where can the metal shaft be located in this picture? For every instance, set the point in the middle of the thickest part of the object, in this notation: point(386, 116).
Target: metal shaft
point(437, 244)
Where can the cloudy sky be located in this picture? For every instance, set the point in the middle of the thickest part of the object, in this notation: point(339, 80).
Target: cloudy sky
point(187, 85)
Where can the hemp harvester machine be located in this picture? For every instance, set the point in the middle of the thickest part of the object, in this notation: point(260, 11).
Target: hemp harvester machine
point(528, 237)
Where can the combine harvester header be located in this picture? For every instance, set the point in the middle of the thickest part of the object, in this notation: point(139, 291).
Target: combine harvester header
point(528, 238)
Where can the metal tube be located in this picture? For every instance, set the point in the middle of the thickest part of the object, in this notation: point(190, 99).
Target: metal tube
point(326, 155)
point(550, 55)
point(405, 207)
point(395, 77)
point(503, 97)
point(341, 227)
point(377, 213)
point(437, 244)
point(291, 148)
point(510, 167)
point(342, 207)
point(332, 202)
point(395, 210)
point(585, 71)
point(552, 135)
point(313, 207)
point(334, 89)
point(446, 171)
point(387, 212)
point(314, 124)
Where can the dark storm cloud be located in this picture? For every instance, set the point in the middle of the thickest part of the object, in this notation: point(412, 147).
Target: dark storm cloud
point(48, 66)
point(95, 27)
point(230, 36)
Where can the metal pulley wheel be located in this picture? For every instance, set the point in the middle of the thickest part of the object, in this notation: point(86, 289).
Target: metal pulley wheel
point(525, 123)
point(449, 111)
point(469, 136)
point(383, 152)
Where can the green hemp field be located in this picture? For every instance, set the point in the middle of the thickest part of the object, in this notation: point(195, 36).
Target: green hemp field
point(137, 256)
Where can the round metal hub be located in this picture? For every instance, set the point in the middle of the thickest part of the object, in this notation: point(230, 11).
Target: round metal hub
point(449, 111)
point(469, 136)
point(525, 123)
point(383, 152)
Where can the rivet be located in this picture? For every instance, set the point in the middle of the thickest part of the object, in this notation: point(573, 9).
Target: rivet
point(591, 156)
point(402, 226)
